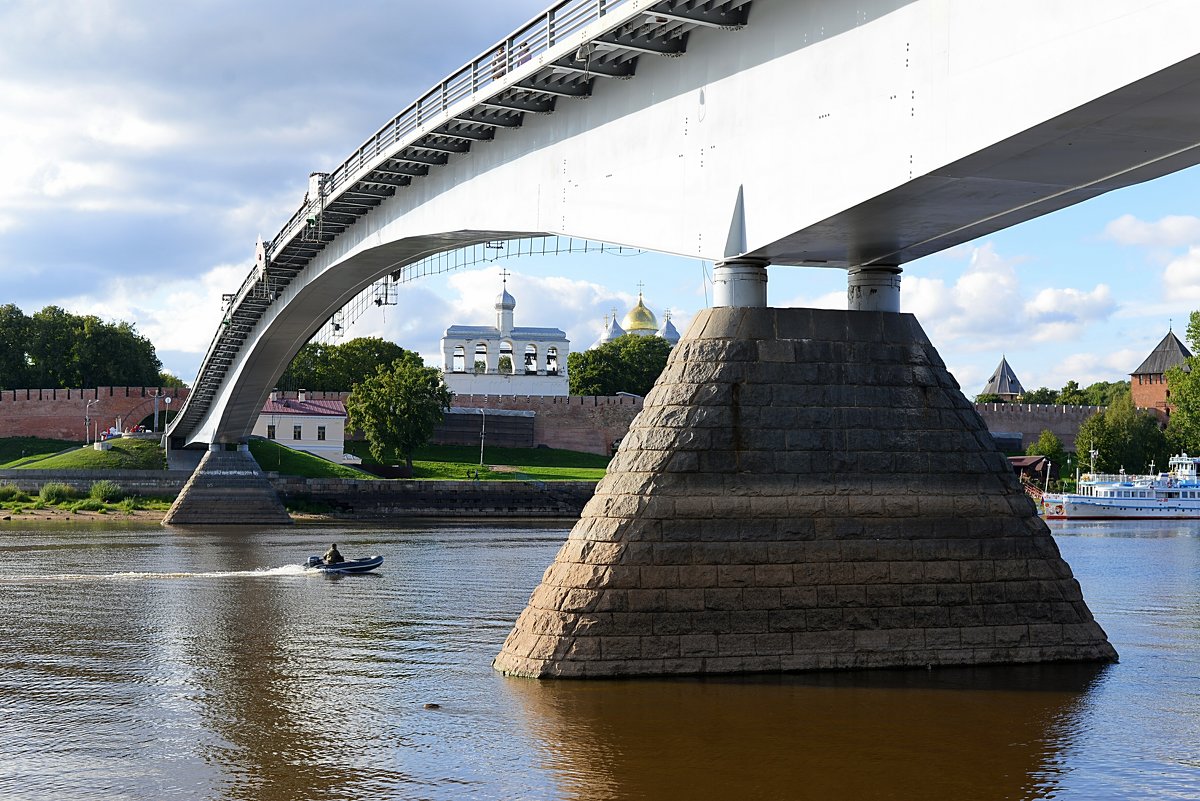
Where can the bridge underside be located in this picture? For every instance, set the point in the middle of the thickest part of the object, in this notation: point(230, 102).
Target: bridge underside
point(1143, 131)
point(804, 490)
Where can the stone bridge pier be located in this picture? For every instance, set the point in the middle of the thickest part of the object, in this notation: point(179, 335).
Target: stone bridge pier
point(804, 489)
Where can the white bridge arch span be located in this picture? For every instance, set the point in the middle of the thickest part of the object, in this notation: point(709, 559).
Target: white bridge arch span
point(792, 131)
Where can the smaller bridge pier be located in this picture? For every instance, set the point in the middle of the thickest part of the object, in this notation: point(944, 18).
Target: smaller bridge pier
point(227, 488)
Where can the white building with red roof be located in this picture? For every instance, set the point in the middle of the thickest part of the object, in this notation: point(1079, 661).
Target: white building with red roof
point(315, 426)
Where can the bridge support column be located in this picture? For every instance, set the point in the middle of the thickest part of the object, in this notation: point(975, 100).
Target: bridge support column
point(741, 283)
point(875, 288)
point(227, 487)
point(803, 490)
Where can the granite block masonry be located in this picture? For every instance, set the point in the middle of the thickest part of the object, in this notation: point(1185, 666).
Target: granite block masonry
point(804, 490)
point(227, 488)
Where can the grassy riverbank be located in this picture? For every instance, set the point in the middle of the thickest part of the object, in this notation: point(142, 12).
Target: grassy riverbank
point(59, 500)
point(461, 462)
point(21, 451)
point(125, 454)
point(433, 462)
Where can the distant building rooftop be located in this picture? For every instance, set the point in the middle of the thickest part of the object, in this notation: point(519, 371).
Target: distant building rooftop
point(1004, 382)
point(1167, 354)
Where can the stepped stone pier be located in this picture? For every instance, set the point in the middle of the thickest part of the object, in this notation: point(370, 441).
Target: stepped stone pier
point(227, 488)
point(804, 489)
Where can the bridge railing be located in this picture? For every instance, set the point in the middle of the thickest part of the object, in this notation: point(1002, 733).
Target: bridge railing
point(490, 67)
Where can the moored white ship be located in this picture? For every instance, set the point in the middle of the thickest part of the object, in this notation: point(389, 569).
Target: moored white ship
point(1174, 494)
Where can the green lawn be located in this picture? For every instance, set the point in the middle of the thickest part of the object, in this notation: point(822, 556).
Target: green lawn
point(18, 451)
point(126, 454)
point(459, 462)
point(278, 458)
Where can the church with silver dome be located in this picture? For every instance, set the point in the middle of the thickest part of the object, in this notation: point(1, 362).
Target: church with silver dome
point(505, 359)
point(640, 322)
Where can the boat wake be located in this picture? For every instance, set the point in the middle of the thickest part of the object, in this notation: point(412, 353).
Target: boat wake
point(264, 572)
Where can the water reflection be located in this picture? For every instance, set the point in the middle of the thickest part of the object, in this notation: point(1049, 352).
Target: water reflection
point(290, 719)
point(979, 733)
point(144, 664)
point(1150, 529)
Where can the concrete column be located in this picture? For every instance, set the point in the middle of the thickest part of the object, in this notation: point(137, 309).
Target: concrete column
point(740, 282)
point(874, 288)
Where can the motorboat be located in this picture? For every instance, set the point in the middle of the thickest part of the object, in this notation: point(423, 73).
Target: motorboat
point(346, 566)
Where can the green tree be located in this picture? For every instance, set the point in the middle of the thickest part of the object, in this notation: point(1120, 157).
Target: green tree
point(1104, 393)
point(1071, 395)
point(989, 397)
point(68, 350)
point(398, 408)
point(336, 368)
point(1193, 331)
point(1183, 392)
point(14, 342)
point(629, 363)
point(1050, 446)
point(1124, 437)
point(1041, 395)
point(166, 379)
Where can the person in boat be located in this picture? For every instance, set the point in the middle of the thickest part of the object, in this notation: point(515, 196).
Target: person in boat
point(332, 556)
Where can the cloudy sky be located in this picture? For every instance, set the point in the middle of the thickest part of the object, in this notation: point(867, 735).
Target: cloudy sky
point(145, 145)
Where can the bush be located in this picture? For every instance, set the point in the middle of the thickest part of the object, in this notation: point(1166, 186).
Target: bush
point(107, 491)
point(88, 505)
point(9, 492)
point(54, 492)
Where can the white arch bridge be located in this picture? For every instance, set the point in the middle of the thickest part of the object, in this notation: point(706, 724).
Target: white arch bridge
point(746, 132)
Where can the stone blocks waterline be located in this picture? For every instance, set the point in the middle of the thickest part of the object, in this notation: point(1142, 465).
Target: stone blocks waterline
point(804, 490)
point(227, 488)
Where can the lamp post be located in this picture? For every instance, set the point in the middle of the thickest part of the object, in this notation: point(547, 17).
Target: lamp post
point(158, 393)
point(87, 420)
point(482, 430)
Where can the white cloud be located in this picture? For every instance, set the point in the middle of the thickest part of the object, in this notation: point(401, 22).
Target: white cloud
point(987, 306)
point(1085, 367)
point(1172, 231)
point(1181, 277)
point(177, 315)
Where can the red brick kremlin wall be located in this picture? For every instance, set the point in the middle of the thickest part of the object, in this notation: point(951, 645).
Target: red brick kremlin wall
point(589, 424)
point(59, 413)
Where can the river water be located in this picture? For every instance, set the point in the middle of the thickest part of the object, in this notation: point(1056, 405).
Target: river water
point(139, 663)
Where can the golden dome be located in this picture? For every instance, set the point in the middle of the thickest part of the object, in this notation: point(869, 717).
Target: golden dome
point(640, 318)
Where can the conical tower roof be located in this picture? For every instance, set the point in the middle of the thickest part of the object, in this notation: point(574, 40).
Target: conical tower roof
point(1167, 354)
point(668, 330)
point(1004, 381)
point(611, 330)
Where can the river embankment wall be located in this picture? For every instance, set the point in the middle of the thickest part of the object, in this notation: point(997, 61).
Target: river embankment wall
point(387, 500)
point(356, 499)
